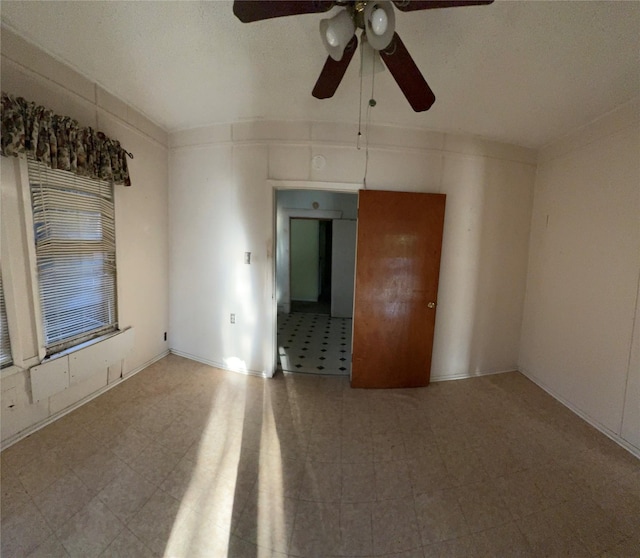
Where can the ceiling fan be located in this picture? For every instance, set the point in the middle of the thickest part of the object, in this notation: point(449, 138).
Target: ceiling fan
point(376, 19)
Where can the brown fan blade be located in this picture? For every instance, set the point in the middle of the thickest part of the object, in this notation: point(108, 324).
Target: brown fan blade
point(413, 5)
point(407, 75)
point(333, 72)
point(256, 10)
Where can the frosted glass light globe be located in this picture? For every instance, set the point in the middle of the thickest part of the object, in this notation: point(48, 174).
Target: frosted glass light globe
point(332, 37)
point(379, 21)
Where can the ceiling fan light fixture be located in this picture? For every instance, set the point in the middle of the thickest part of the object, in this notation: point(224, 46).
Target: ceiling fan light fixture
point(332, 37)
point(379, 23)
point(336, 32)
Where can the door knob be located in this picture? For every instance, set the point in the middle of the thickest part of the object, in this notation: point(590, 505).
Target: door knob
point(431, 305)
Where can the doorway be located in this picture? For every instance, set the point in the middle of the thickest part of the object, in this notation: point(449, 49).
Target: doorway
point(383, 345)
point(310, 258)
point(314, 282)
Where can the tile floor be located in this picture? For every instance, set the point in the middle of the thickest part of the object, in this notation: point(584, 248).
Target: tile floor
point(314, 343)
point(184, 460)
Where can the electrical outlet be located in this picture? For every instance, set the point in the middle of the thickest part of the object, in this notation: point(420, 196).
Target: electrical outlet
point(165, 335)
point(233, 318)
point(247, 257)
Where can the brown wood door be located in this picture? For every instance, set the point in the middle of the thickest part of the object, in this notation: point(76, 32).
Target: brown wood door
point(397, 267)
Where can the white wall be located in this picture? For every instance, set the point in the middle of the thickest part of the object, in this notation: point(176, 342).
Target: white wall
point(584, 268)
point(220, 209)
point(141, 232)
point(347, 204)
point(489, 195)
point(305, 247)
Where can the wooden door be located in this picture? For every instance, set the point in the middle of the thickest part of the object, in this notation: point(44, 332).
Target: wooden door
point(397, 267)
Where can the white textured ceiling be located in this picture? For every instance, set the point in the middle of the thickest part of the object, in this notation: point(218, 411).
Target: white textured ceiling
point(522, 72)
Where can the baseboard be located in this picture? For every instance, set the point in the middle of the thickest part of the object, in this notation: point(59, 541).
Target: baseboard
point(40, 425)
point(147, 364)
point(584, 416)
point(467, 375)
point(215, 364)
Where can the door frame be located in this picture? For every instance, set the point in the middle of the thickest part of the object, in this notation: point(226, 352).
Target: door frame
point(274, 186)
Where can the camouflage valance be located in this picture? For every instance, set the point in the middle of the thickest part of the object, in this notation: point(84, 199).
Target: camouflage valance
point(60, 143)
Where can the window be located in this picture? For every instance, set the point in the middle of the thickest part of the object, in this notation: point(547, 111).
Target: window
point(5, 343)
point(74, 229)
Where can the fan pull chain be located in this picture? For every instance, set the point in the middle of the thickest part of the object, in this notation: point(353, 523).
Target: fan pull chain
point(360, 113)
point(370, 105)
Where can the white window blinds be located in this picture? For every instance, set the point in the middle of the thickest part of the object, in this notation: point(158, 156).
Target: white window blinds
point(74, 227)
point(5, 343)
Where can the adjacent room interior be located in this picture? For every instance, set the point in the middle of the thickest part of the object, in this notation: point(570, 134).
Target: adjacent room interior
point(315, 275)
point(204, 408)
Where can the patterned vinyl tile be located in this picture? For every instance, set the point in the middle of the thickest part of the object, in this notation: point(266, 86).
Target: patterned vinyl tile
point(314, 343)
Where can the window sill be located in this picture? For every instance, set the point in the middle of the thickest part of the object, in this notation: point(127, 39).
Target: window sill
point(84, 345)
